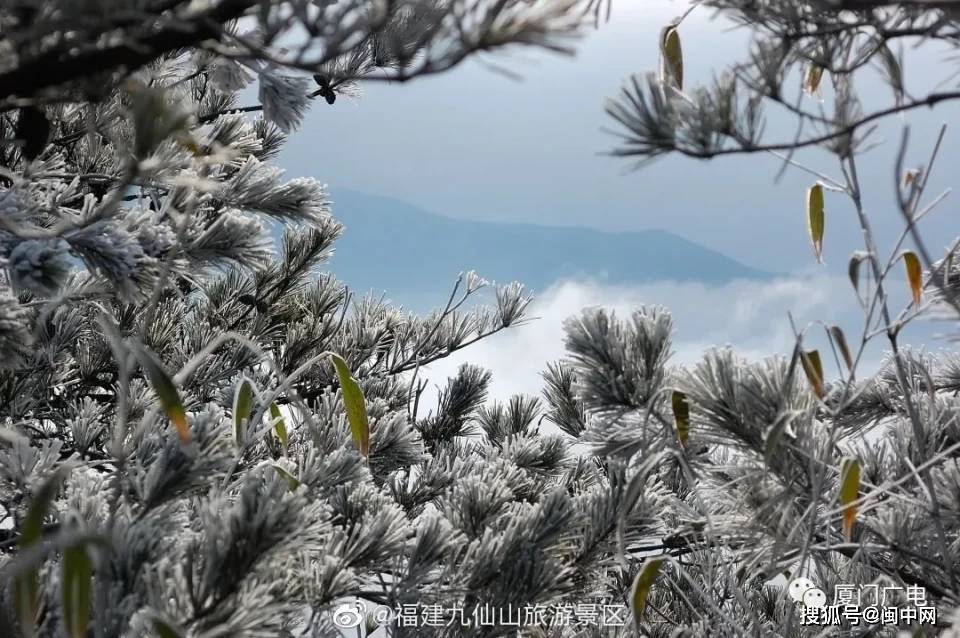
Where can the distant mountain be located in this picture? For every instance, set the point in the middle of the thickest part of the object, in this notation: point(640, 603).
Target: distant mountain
point(389, 245)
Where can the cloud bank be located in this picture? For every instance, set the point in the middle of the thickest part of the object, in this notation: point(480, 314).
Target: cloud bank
point(749, 316)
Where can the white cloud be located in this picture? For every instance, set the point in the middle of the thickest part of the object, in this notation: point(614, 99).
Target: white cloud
point(750, 316)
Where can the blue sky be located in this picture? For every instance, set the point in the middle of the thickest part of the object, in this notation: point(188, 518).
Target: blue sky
point(474, 144)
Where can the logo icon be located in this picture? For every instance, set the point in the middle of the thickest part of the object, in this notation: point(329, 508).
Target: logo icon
point(803, 591)
point(348, 615)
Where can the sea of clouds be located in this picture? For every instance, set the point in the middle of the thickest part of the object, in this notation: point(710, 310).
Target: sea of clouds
point(749, 316)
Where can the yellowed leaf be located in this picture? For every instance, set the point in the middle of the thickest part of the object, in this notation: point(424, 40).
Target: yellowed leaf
point(671, 57)
point(354, 404)
point(813, 368)
point(914, 275)
point(642, 584)
point(811, 82)
point(166, 391)
point(279, 426)
point(681, 416)
point(242, 408)
point(816, 219)
point(841, 342)
point(849, 493)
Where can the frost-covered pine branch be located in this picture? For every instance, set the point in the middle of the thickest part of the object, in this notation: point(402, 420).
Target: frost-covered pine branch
point(789, 480)
point(176, 450)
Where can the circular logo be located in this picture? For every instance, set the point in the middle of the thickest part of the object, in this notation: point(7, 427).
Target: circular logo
point(798, 587)
point(348, 615)
point(815, 598)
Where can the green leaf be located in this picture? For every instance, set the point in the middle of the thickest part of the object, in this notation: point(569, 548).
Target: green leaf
point(914, 275)
point(165, 629)
point(242, 407)
point(893, 70)
point(849, 493)
point(814, 371)
point(671, 57)
point(774, 433)
point(292, 481)
point(841, 342)
point(642, 584)
point(355, 406)
point(26, 600)
point(816, 219)
point(853, 269)
point(279, 426)
point(166, 391)
point(32, 527)
point(77, 572)
point(681, 416)
point(26, 587)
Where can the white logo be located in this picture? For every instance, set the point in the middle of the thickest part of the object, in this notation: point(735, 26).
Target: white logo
point(803, 591)
point(798, 587)
point(348, 615)
point(815, 598)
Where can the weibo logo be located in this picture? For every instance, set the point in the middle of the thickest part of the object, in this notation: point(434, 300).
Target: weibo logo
point(803, 591)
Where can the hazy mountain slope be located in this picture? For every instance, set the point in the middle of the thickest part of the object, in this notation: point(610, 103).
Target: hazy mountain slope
point(392, 246)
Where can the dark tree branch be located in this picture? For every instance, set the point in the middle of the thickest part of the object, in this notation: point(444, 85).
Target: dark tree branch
point(57, 67)
point(849, 129)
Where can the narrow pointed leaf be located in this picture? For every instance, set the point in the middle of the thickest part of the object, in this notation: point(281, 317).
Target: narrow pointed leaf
point(291, 480)
point(894, 72)
point(853, 269)
point(279, 426)
point(242, 407)
point(32, 528)
point(914, 275)
point(75, 590)
point(813, 368)
point(811, 83)
point(849, 493)
point(671, 57)
point(164, 629)
point(166, 391)
point(841, 341)
point(26, 587)
point(355, 406)
point(26, 600)
point(681, 416)
point(815, 219)
point(642, 584)
point(772, 441)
